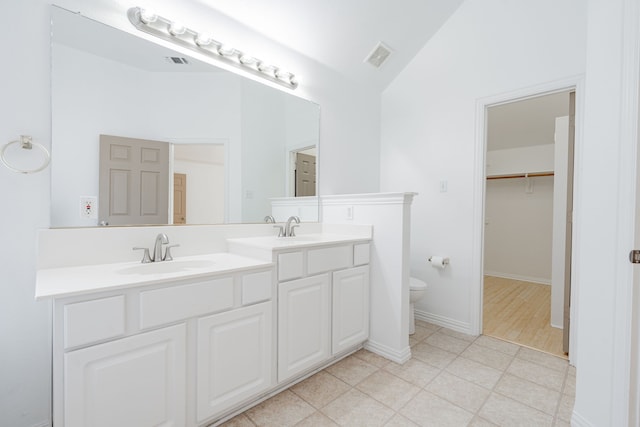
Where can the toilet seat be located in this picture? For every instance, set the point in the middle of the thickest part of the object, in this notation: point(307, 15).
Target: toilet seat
point(417, 284)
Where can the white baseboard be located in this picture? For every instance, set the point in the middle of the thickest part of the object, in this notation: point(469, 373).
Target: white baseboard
point(388, 352)
point(445, 322)
point(578, 421)
point(539, 280)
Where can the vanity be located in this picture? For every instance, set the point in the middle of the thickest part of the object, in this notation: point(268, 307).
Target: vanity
point(323, 296)
point(193, 341)
point(238, 315)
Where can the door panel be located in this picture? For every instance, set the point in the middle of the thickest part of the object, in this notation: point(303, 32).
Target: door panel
point(234, 358)
point(303, 324)
point(305, 175)
point(350, 308)
point(137, 381)
point(134, 181)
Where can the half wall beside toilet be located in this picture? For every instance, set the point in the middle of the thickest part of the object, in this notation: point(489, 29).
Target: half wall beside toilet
point(390, 215)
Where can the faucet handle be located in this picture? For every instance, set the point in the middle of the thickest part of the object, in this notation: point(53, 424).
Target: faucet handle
point(292, 232)
point(280, 230)
point(167, 253)
point(146, 258)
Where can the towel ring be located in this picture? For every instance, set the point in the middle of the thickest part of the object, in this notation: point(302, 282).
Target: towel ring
point(27, 144)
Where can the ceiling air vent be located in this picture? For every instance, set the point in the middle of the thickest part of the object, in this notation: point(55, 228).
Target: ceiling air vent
point(379, 55)
point(177, 60)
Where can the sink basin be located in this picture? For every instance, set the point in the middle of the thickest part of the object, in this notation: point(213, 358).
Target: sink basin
point(165, 267)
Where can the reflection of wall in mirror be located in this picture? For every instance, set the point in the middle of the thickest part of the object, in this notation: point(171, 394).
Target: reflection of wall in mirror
point(268, 134)
point(263, 141)
point(93, 95)
point(204, 167)
point(96, 95)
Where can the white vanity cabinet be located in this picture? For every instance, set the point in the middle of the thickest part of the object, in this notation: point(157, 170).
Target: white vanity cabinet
point(304, 324)
point(323, 305)
point(176, 353)
point(233, 358)
point(130, 382)
point(350, 314)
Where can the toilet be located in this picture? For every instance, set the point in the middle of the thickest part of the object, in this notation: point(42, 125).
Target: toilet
point(417, 289)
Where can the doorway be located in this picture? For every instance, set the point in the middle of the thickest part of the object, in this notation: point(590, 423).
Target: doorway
point(302, 172)
point(527, 228)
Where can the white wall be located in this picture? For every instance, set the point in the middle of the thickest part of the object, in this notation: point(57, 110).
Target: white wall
point(604, 222)
point(518, 224)
point(347, 137)
point(24, 324)
point(390, 216)
point(487, 47)
point(204, 167)
point(518, 229)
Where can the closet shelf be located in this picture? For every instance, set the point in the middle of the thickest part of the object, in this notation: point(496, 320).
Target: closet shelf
point(520, 175)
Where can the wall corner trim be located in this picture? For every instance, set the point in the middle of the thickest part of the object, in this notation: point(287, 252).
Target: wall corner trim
point(389, 353)
point(578, 420)
point(446, 322)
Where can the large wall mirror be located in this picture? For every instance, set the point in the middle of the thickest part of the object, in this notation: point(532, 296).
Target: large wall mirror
point(231, 143)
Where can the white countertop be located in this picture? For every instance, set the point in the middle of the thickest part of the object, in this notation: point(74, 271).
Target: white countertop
point(302, 241)
point(71, 281)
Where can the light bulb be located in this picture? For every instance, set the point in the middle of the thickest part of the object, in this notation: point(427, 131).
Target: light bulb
point(284, 75)
point(248, 60)
point(176, 29)
point(226, 50)
point(147, 17)
point(267, 69)
point(203, 39)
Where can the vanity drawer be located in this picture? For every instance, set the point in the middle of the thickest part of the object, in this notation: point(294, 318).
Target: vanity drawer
point(175, 303)
point(326, 259)
point(361, 254)
point(290, 266)
point(90, 321)
point(256, 287)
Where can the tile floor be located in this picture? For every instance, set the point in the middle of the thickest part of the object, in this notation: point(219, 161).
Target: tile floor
point(452, 379)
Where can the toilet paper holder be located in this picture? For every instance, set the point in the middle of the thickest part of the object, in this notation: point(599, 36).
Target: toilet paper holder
point(445, 261)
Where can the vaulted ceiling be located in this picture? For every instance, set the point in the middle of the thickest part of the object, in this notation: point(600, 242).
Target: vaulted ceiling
point(342, 33)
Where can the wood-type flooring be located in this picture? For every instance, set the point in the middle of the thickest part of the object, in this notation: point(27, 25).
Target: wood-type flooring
point(519, 312)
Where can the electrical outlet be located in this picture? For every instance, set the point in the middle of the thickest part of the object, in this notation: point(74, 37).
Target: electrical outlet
point(89, 207)
point(444, 186)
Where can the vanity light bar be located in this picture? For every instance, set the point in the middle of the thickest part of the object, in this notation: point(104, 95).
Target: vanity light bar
point(205, 44)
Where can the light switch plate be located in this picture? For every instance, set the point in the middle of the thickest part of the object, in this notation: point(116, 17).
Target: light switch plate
point(349, 212)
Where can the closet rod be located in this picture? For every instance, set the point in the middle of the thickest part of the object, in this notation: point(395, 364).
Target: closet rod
point(523, 175)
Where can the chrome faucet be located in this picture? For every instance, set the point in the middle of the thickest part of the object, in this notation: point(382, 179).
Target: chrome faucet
point(289, 228)
point(161, 239)
point(269, 219)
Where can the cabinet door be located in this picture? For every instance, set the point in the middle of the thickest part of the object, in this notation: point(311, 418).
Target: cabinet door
point(136, 381)
point(350, 308)
point(303, 324)
point(234, 358)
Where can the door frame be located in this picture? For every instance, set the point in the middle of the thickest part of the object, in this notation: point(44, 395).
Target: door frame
point(290, 181)
point(224, 142)
point(482, 104)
